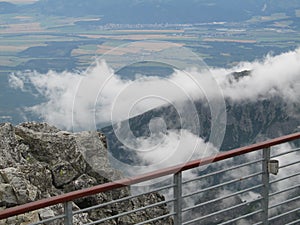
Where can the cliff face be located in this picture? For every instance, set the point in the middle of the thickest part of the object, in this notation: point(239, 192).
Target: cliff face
point(38, 161)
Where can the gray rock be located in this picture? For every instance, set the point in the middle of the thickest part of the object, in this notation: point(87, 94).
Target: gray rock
point(63, 173)
point(7, 196)
point(39, 161)
point(8, 155)
point(23, 189)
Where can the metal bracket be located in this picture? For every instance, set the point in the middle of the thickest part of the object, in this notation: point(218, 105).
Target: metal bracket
point(273, 166)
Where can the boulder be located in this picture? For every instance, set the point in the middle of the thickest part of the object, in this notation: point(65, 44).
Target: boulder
point(38, 161)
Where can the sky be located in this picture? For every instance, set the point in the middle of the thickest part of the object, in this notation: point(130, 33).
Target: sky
point(21, 1)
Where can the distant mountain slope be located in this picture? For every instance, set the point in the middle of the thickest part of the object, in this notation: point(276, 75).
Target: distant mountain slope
point(158, 11)
point(247, 122)
point(6, 8)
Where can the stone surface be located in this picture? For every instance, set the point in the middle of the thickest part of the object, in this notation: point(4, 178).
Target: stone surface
point(39, 161)
point(7, 195)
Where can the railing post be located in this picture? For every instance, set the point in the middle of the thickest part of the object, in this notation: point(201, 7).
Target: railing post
point(266, 186)
point(177, 179)
point(68, 213)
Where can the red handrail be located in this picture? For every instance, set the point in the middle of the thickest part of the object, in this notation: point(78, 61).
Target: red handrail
point(144, 177)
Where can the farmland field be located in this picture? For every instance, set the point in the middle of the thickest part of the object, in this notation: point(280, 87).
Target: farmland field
point(34, 40)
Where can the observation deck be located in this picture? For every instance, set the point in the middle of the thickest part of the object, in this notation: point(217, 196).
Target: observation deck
point(256, 184)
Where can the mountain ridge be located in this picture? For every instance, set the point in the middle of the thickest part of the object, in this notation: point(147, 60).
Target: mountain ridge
point(157, 11)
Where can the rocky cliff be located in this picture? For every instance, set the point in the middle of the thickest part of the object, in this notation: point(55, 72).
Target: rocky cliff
point(38, 161)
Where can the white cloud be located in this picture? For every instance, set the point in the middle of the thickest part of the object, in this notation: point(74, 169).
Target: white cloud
point(173, 148)
point(16, 82)
point(78, 100)
point(81, 100)
point(275, 75)
point(59, 90)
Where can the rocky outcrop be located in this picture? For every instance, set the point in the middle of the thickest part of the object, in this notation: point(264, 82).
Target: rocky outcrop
point(38, 161)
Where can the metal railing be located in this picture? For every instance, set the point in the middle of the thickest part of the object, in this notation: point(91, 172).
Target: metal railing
point(238, 187)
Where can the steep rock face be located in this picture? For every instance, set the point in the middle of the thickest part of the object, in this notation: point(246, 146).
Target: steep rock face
point(38, 161)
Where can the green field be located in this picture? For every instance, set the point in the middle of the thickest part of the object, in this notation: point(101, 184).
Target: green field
point(27, 41)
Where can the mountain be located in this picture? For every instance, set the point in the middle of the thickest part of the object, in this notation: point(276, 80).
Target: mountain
point(158, 11)
point(248, 122)
point(6, 8)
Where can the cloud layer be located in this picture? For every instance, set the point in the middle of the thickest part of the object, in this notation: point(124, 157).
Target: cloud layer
point(98, 90)
point(273, 76)
point(82, 100)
